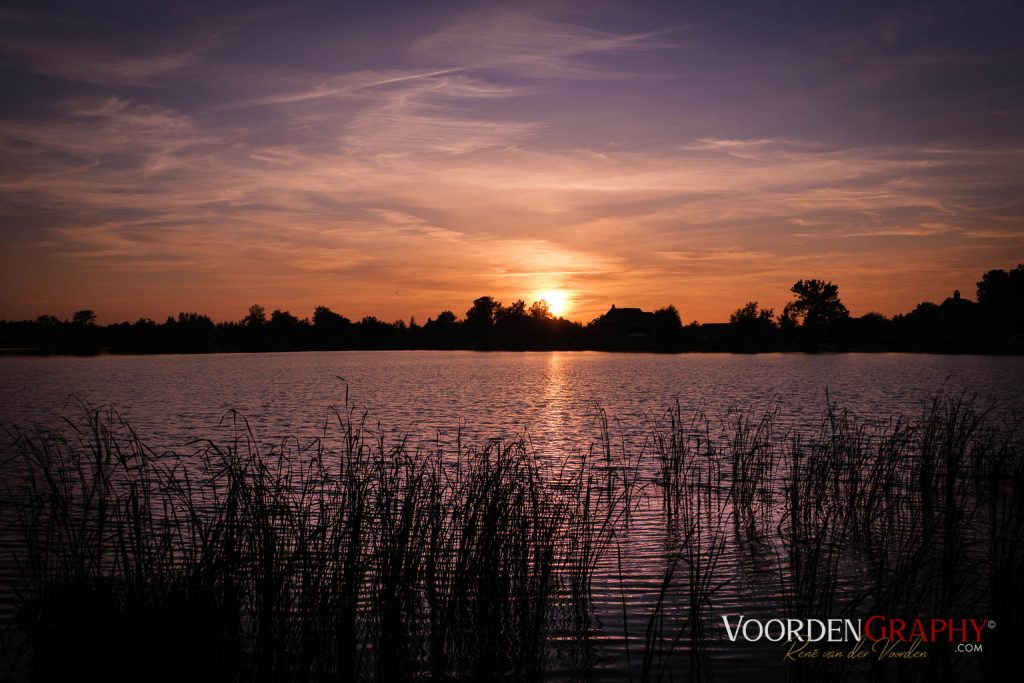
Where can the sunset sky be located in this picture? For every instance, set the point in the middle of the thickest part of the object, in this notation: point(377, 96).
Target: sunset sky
point(397, 159)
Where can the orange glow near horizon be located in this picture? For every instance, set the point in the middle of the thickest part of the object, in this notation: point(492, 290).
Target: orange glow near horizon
point(519, 152)
point(558, 301)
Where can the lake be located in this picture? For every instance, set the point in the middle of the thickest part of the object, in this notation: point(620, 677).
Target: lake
point(556, 401)
point(173, 399)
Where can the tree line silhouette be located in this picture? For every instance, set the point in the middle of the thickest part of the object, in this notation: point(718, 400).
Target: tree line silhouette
point(814, 320)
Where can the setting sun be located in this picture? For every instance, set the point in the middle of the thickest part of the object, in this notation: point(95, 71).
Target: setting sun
point(557, 299)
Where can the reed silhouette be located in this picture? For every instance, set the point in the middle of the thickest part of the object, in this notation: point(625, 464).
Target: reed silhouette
point(353, 558)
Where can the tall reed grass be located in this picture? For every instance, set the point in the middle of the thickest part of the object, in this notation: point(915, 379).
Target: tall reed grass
point(348, 557)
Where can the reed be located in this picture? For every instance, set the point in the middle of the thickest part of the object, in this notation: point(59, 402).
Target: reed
point(349, 557)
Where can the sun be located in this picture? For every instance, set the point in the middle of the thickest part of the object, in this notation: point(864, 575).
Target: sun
point(558, 300)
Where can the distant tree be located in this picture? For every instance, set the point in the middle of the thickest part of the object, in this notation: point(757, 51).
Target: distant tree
point(816, 305)
point(84, 317)
point(749, 313)
point(442, 331)
point(446, 318)
point(668, 328)
point(1001, 295)
point(788, 320)
point(190, 333)
point(668, 315)
point(47, 320)
point(752, 328)
point(872, 330)
point(256, 317)
point(515, 311)
point(483, 312)
point(326, 319)
point(993, 287)
point(282, 319)
point(195, 320)
point(371, 332)
point(540, 310)
point(667, 321)
point(1000, 287)
point(817, 310)
point(513, 328)
point(922, 326)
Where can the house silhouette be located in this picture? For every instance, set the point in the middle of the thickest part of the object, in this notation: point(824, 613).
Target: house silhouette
point(630, 322)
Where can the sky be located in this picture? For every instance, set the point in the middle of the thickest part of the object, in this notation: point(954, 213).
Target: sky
point(398, 159)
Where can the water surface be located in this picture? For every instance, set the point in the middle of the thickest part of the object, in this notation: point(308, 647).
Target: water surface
point(553, 398)
point(173, 399)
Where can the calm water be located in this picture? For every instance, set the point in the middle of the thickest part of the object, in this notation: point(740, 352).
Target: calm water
point(173, 399)
point(552, 397)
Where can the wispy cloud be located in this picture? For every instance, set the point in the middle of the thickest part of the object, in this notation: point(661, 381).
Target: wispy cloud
point(529, 44)
point(500, 42)
point(459, 166)
point(97, 64)
point(429, 117)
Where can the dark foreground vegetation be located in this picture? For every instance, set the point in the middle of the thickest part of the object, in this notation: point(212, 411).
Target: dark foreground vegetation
point(350, 558)
point(815, 320)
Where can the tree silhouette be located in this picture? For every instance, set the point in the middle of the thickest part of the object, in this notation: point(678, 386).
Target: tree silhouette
point(282, 320)
point(752, 328)
point(748, 314)
point(815, 319)
point(817, 304)
point(540, 310)
point(446, 318)
point(818, 311)
point(999, 287)
point(256, 317)
point(326, 319)
point(668, 328)
point(483, 313)
point(84, 317)
point(1001, 294)
point(515, 311)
